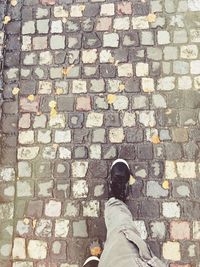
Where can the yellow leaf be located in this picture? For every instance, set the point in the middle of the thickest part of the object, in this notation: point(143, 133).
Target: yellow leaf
point(165, 184)
point(155, 139)
point(13, 2)
point(121, 87)
point(67, 70)
point(151, 17)
point(132, 180)
point(52, 104)
point(111, 98)
point(53, 112)
point(59, 91)
point(34, 223)
point(15, 91)
point(26, 221)
point(96, 251)
point(116, 62)
point(55, 146)
point(82, 8)
point(6, 19)
point(31, 98)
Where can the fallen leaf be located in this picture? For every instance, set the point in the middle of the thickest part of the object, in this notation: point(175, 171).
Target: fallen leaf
point(168, 112)
point(165, 184)
point(95, 248)
point(31, 98)
point(59, 91)
point(151, 17)
point(132, 180)
point(66, 71)
point(52, 105)
point(82, 8)
point(6, 20)
point(55, 146)
point(116, 62)
point(111, 98)
point(13, 2)
point(15, 91)
point(26, 221)
point(34, 223)
point(121, 87)
point(155, 139)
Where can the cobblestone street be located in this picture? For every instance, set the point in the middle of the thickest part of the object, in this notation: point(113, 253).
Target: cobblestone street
point(83, 82)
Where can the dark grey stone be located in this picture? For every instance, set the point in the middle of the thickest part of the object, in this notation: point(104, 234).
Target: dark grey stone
point(91, 40)
point(141, 9)
point(156, 169)
point(13, 27)
point(134, 135)
point(44, 103)
point(62, 189)
point(150, 209)
point(72, 26)
point(10, 107)
point(112, 119)
point(192, 99)
point(169, 119)
point(120, 55)
point(127, 152)
point(8, 156)
point(139, 170)
point(182, 189)
point(91, 10)
point(27, 13)
point(77, 41)
point(87, 25)
point(136, 190)
point(80, 152)
point(81, 136)
point(188, 117)
point(173, 151)
point(60, 57)
point(132, 85)
point(76, 120)
point(145, 151)
point(109, 151)
point(107, 71)
point(190, 210)
point(131, 39)
point(65, 103)
point(9, 123)
point(65, 169)
point(175, 100)
point(98, 169)
point(191, 150)
point(136, 55)
point(28, 87)
point(194, 133)
point(42, 169)
point(9, 140)
point(155, 69)
point(12, 59)
point(13, 43)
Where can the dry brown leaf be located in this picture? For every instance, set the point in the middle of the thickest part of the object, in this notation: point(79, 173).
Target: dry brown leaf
point(151, 17)
point(165, 184)
point(34, 223)
point(15, 91)
point(67, 70)
point(155, 139)
point(111, 98)
point(6, 20)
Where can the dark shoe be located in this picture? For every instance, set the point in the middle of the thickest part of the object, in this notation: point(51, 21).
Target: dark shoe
point(119, 181)
point(92, 261)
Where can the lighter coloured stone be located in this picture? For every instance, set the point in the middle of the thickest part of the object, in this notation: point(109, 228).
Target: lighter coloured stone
point(43, 228)
point(64, 153)
point(189, 51)
point(195, 67)
point(28, 27)
point(61, 228)
point(27, 153)
point(19, 251)
point(53, 208)
point(99, 190)
point(62, 136)
point(45, 87)
point(22, 264)
point(147, 118)
point(159, 101)
point(196, 230)
point(184, 83)
point(6, 211)
point(148, 85)
point(171, 251)
point(116, 135)
point(25, 188)
point(41, 12)
point(142, 69)
point(29, 59)
point(194, 5)
point(122, 23)
point(44, 136)
point(166, 84)
point(80, 189)
point(7, 174)
point(40, 121)
point(45, 58)
point(12, 73)
point(49, 152)
point(94, 119)
point(60, 12)
point(110, 39)
point(170, 170)
point(129, 119)
point(163, 37)
point(89, 56)
point(79, 86)
point(45, 188)
point(57, 121)
point(121, 103)
point(197, 82)
point(186, 169)
point(107, 9)
point(79, 169)
point(56, 26)
point(77, 11)
point(37, 249)
point(26, 137)
point(125, 70)
point(105, 56)
point(95, 151)
point(91, 208)
point(42, 26)
point(113, 85)
point(171, 209)
point(9, 191)
point(140, 23)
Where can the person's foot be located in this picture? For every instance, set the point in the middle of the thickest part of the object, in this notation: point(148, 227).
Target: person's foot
point(119, 181)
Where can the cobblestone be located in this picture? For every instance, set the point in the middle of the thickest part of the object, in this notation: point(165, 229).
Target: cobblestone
point(125, 80)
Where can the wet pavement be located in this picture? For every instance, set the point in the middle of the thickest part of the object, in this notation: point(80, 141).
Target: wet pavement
point(81, 84)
